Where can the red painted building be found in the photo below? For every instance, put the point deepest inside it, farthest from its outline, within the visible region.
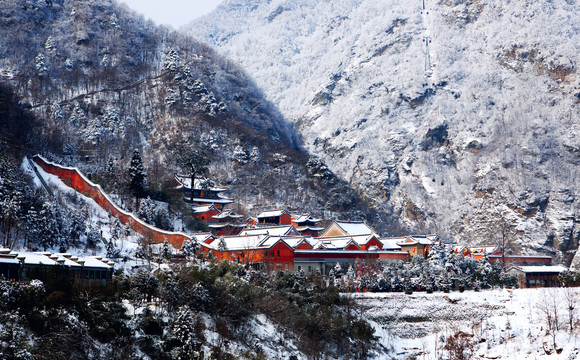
(275, 217)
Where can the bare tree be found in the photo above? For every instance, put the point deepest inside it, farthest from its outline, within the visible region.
(504, 237)
(193, 161)
(570, 298)
(548, 305)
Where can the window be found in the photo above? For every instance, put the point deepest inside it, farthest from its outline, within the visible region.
(278, 253)
(272, 253)
(309, 268)
(299, 267)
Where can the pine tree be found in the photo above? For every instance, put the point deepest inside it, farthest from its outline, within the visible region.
(222, 246)
(337, 270)
(183, 330)
(189, 248)
(113, 251)
(137, 175)
(350, 272)
(166, 250)
(171, 294)
(93, 238)
(147, 211)
(147, 285)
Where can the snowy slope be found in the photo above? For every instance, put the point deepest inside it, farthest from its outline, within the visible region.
(502, 324)
(476, 127)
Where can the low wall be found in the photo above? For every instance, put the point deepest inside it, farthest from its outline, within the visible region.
(75, 179)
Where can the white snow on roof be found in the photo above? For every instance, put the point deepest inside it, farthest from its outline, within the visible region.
(45, 258)
(271, 241)
(307, 217)
(228, 214)
(35, 258)
(219, 200)
(390, 243)
(239, 242)
(334, 243)
(202, 209)
(294, 241)
(307, 228)
(93, 261)
(272, 213)
(63, 259)
(269, 230)
(415, 239)
(541, 269)
(483, 249)
(223, 225)
(5, 260)
(185, 182)
(355, 228)
(201, 237)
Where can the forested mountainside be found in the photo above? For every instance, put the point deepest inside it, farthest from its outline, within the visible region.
(456, 117)
(102, 81)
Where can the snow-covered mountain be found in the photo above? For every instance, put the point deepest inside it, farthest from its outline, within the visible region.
(454, 116)
(104, 81)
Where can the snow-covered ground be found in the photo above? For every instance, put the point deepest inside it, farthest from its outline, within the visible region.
(505, 324)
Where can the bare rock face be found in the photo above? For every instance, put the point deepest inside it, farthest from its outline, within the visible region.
(451, 118)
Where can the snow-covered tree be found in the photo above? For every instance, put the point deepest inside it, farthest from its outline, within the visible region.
(240, 155)
(113, 251)
(166, 250)
(40, 64)
(68, 64)
(172, 61)
(147, 211)
(255, 154)
(337, 269)
(222, 245)
(171, 294)
(137, 174)
(350, 272)
(93, 238)
(189, 248)
(146, 284)
(49, 45)
(193, 161)
(77, 116)
(183, 330)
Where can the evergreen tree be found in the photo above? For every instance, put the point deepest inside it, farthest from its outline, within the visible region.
(137, 175)
(146, 284)
(113, 251)
(171, 294)
(183, 330)
(147, 211)
(189, 248)
(222, 246)
(337, 270)
(93, 238)
(166, 250)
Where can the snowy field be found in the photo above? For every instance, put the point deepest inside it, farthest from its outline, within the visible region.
(500, 324)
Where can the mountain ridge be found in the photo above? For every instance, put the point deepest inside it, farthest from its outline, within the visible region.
(103, 81)
(367, 84)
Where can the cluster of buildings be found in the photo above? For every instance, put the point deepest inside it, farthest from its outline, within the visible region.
(279, 241)
(270, 241)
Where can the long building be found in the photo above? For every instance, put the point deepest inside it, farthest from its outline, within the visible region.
(26, 266)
